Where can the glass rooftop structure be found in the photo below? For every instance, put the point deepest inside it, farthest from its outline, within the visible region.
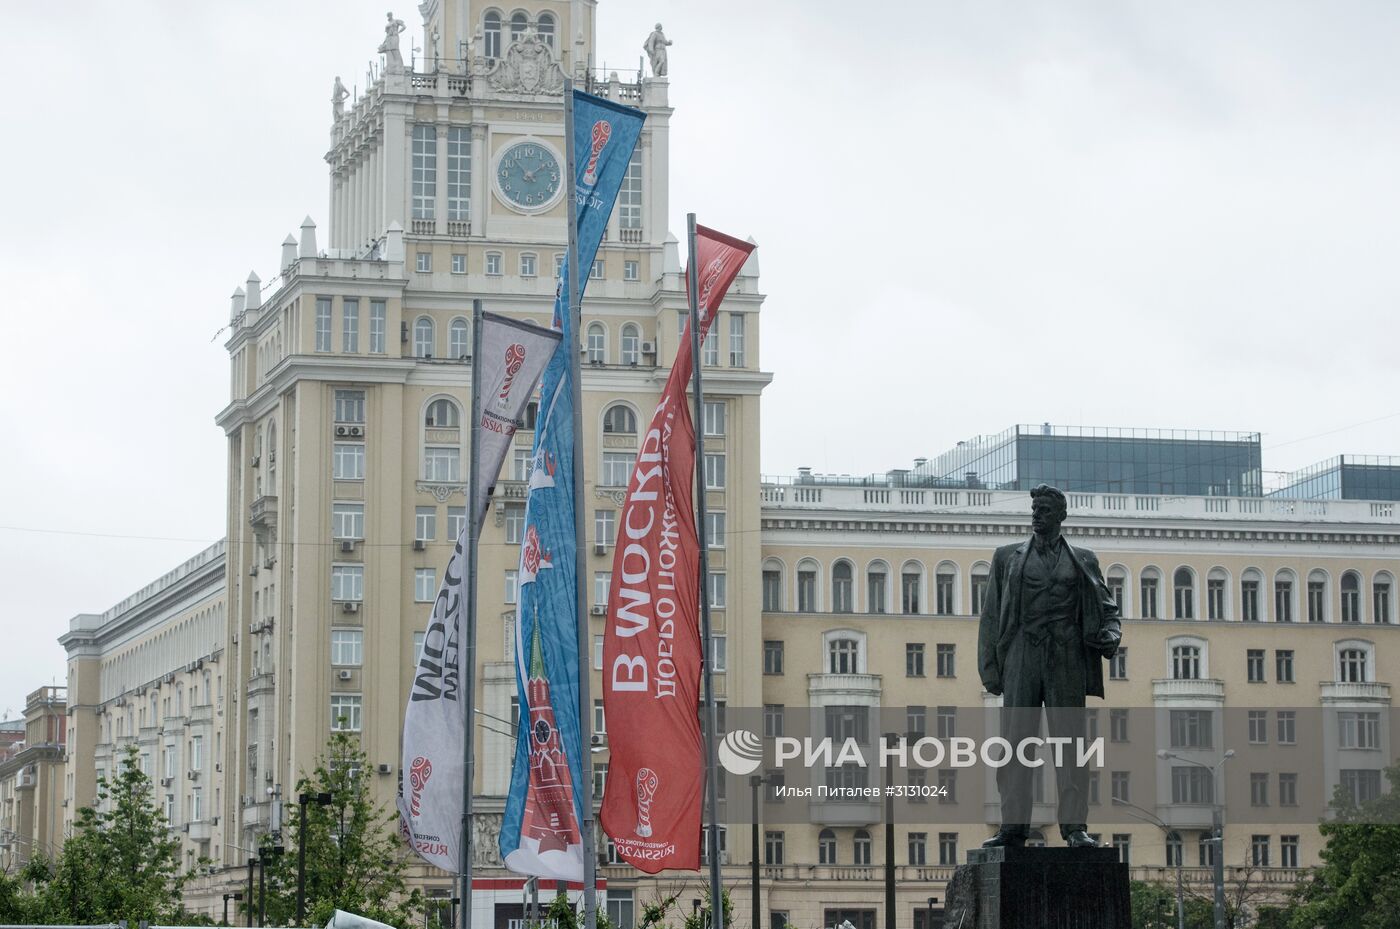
(1346, 477)
(1087, 460)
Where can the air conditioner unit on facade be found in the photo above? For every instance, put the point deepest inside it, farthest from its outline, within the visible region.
(257, 460)
(343, 674)
(598, 609)
(357, 431)
(185, 827)
(419, 545)
(600, 548)
(350, 607)
(253, 572)
(341, 431)
(648, 348)
(385, 768)
(192, 774)
(166, 781)
(347, 546)
(214, 821)
(598, 739)
(267, 563)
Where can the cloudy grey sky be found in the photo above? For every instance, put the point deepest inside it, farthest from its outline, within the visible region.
(970, 214)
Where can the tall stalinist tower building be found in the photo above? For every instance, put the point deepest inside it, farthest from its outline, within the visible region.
(347, 426)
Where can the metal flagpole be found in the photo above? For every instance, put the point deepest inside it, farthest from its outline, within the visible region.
(702, 523)
(464, 862)
(574, 307)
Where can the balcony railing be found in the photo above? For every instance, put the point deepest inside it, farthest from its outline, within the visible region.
(1206, 688)
(1354, 692)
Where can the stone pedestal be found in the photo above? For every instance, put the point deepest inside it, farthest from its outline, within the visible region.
(1039, 888)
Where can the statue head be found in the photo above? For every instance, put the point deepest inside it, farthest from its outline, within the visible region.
(658, 27)
(1048, 509)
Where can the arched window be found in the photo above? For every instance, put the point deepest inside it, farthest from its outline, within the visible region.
(843, 656)
(545, 27)
(1317, 596)
(807, 586)
(1183, 594)
(491, 33)
(981, 577)
(423, 338)
(272, 457)
(911, 582)
(459, 344)
(631, 344)
(443, 414)
(1217, 603)
(1173, 849)
(597, 343)
(945, 585)
(772, 586)
(842, 588)
(862, 847)
(1205, 846)
(1251, 606)
(1149, 587)
(1117, 581)
(1351, 597)
(620, 420)
(1283, 596)
(1187, 662)
(877, 587)
(518, 22)
(826, 847)
(1354, 662)
(1381, 607)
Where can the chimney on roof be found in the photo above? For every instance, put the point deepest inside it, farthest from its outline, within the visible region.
(308, 239)
(289, 252)
(235, 304)
(254, 292)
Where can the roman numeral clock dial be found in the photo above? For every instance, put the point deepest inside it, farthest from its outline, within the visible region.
(528, 177)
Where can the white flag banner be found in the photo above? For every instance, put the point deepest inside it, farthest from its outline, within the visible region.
(512, 355)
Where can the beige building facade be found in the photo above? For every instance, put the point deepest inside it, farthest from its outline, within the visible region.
(147, 674)
(347, 461)
(31, 782)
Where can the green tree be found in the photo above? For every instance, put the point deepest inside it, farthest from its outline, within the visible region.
(1357, 886)
(354, 858)
(122, 861)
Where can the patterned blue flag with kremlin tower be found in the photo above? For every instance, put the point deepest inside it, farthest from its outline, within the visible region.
(540, 834)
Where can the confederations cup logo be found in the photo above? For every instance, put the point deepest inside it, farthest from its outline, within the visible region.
(602, 131)
(515, 357)
(740, 752)
(418, 774)
(647, 782)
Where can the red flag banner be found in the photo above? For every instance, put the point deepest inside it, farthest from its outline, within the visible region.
(651, 647)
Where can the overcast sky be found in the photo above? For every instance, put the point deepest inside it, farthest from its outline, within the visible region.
(969, 215)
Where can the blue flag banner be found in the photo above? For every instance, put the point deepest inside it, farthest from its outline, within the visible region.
(540, 833)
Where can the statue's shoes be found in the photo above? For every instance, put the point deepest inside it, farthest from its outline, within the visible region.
(1004, 839)
(1080, 839)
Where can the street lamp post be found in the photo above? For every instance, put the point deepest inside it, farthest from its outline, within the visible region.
(252, 863)
(1166, 836)
(756, 781)
(236, 895)
(928, 919)
(890, 739)
(1217, 819)
(304, 798)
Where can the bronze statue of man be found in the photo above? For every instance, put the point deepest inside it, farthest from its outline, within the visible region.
(1048, 622)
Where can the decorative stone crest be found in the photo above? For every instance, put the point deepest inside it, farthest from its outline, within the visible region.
(528, 67)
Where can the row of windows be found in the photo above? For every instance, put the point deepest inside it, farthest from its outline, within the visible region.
(491, 28)
(527, 265)
(442, 457)
(811, 596)
(350, 325)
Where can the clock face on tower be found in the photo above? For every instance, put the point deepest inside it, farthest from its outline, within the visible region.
(527, 177)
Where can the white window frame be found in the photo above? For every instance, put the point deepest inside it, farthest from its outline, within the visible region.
(495, 263)
(424, 585)
(349, 706)
(347, 520)
(347, 583)
(347, 647)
